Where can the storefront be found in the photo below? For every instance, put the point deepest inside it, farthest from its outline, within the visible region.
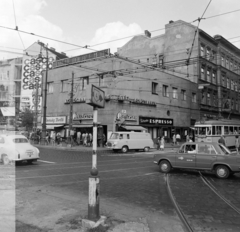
(56, 124)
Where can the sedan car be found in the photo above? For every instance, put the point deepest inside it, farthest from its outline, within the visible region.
(17, 148)
(200, 156)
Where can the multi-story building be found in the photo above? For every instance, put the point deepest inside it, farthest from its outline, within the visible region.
(164, 83)
(10, 85)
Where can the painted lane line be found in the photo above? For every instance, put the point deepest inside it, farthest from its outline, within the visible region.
(48, 162)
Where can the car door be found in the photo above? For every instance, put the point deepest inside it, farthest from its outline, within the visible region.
(186, 156)
(206, 156)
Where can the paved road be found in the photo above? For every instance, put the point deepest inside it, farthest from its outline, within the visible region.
(135, 180)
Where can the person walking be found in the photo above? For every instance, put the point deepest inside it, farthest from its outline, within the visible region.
(91, 138)
(222, 140)
(178, 138)
(162, 143)
(174, 139)
(237, 144)
(187, 138)
(78, 137)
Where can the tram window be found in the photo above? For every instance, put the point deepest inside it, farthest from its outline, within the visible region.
(202, 130)
(218, 130)
(235, 130)
(209, 130)
(226, 130)
(214, 130)
(231, 130)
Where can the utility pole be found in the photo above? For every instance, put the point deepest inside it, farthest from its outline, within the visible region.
(43, 137)
(71, 109)
(36, 107)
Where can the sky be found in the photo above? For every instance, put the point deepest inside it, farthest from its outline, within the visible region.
(77, 23)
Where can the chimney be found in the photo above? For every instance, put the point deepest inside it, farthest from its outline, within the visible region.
(147, 33)
(171, 21)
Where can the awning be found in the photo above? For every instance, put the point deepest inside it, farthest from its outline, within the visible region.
(8, 111)
(134, 128)
(82, 126)
(53, 126)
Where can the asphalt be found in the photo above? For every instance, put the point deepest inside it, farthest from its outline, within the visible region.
(124, 217)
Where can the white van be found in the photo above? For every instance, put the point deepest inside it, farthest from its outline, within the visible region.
(125, 141)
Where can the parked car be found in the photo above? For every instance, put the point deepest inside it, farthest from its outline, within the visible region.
(17, 148)
(125, 141)
(200, 156)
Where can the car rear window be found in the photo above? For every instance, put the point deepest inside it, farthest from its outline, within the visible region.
(20, 140)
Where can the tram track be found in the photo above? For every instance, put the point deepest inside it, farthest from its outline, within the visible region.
(187, 219)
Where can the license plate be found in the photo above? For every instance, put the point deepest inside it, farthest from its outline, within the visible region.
(29, 154)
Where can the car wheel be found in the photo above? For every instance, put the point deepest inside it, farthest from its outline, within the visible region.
(222, 171)
(146, 149)
(124, 149)
(165, 166)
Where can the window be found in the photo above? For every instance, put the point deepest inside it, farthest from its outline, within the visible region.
(228, 84)
(236, 105)
(161, 61)
(223, 61)
(50, 87)
(214, 77)
(175, 93)
(231, 65)
(208, 54)
(194, 97)
(203, 100)
(202, 51)
(213, 57)
(101, 80)
(209, 99)
(208, 76)
(227, 63)
(235, 86)
(165, 91)
(223, 80)
(232, 85)
(203, 73)
(183, 95)
(154, 87)
(214, 98)
(65, 86)
(84, 82)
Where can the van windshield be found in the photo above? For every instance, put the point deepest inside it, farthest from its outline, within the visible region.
(114, 136)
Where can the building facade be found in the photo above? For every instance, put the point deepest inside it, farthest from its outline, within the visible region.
(163, 84)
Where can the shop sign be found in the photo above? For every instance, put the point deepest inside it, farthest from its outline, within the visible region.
(95, 96)
(131, 100)
(83, 116)
(55, 120)
(156, 121)
(76, 100)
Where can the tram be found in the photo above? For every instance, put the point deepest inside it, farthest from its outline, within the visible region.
(211, 131)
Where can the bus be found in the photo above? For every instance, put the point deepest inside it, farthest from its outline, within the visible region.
(211, 131)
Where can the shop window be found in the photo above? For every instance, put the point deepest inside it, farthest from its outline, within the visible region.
(50, 87)
(194, 97)
(165, 91)
(175, 93)
(154, 87)
(183, 95)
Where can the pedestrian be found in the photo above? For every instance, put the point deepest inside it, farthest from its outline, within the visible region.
(103, 139)
(58, 138)
(83, 138)
(190, 140)
(187, 138)
(222, 140)
(91, 138)
(178, 138)
(78, 137)
(237, 144)
(162, 143)
(174, 139)
(53, 138)
(88, 140)
(158, 143)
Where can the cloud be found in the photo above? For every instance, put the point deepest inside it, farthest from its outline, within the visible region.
(28, 19)
(114, 31)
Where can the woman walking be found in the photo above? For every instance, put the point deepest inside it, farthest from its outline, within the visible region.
(162, 143)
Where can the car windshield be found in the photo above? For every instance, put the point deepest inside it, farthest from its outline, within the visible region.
(225, 150)
(114, 136)
(20, 140)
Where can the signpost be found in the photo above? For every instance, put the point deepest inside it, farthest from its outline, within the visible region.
(96, 98)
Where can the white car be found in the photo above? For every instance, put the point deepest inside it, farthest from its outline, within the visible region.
(17, 148)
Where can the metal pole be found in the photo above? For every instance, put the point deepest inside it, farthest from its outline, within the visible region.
(71, 110)
(45, 103)
(94, 186)
(36, 108)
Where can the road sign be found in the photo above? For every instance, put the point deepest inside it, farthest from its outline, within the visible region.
(95, 96)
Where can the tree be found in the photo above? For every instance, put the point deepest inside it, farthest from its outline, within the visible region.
(27, 117)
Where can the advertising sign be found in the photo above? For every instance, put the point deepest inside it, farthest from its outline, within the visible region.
(156, 121)
(95, 96)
